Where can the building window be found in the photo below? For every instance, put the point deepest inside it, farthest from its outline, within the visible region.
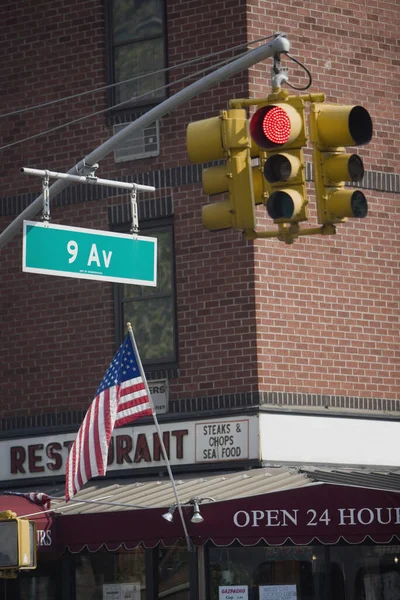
(103, 574)
(136, 48)
(151, 310)
(340, 572)
(174, 573)
(269, 572)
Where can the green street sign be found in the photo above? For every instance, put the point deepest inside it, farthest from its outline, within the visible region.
(89, 254)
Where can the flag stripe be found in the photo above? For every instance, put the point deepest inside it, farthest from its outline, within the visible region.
(87, 462)
(128, 419)
(131, 396)
(78, 480)
(128, 416)
(120, 399)
(99, 431)
(133, 406)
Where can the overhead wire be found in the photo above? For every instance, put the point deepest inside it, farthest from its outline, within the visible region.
(305, 69)
(120, 104)
(146, 94)
(132, 79)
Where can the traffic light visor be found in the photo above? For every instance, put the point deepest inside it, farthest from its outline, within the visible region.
(344, 167)
(217, 216)
(273, 126)
(339, 125)
(281, 167)
(346, 203)
(284, 204)
(204, 141)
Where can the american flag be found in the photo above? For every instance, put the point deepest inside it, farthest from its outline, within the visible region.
(39, 498)
(120, 399)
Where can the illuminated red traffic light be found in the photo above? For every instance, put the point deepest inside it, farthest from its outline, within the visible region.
(270, 127)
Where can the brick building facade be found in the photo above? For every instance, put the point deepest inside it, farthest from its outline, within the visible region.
(310, 327)
(309, 324)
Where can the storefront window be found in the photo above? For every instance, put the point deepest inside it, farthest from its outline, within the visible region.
(295, 571)
(368, 572)
(308, 572)
(173, 573)
(101, 575)
(42, 583)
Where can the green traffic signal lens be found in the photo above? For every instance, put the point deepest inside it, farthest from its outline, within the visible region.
(277, 168)
(280, 205)
(359, 205)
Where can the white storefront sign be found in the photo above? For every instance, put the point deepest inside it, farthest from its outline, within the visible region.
(159, 391)
(121, 591)
(233, 592)
(278, 592)
(312, 439)
(137, 447)
(274, 438)
(216, 441)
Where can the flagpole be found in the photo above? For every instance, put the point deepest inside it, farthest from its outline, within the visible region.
(153, 410)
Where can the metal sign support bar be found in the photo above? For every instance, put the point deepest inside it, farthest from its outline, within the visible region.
(279, 44)
(88, 179)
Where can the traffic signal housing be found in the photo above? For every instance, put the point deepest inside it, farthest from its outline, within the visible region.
(278, 131)
(332, 127)
(225, 137)
(17, 542)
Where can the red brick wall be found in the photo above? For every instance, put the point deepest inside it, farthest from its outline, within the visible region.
(53, 50)
(57, 333)
(326, 307)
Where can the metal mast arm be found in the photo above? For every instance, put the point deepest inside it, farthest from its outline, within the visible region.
(279, 44)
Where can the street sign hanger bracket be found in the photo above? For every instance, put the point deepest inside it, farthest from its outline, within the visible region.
(46, 198)
(88, 177)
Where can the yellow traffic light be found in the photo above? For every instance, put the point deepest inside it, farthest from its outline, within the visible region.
(332, 127)
(225, 137)
(17, 542)
(278, 130)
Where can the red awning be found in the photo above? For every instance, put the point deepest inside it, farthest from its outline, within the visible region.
(24, 507)
(323, 512)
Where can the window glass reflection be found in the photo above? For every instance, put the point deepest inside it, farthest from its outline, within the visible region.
(346, 572)
(369, 572)
(295, 569)
(173, 573)
(95, 570)
(42, 583)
